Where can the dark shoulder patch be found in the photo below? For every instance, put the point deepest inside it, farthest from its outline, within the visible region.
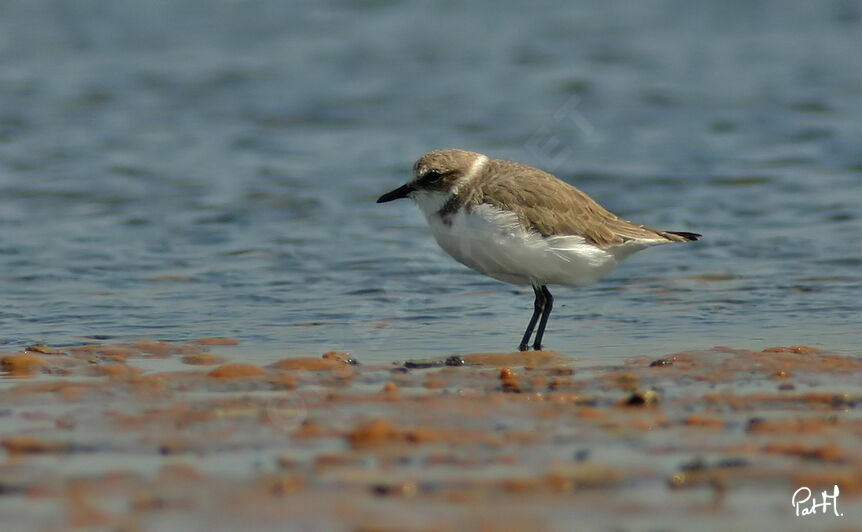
(448, 210)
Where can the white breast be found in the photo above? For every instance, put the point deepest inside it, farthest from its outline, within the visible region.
(492, 241)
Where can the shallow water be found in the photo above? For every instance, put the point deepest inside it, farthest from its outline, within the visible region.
(180, 170)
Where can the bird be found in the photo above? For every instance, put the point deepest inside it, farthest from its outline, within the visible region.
(521, 225)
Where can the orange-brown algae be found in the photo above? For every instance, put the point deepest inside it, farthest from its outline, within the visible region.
(826, 453)
(43, 349)
(114, 371)
(798, 349)
(202, 359)
(282, 381)
(390, 390)
(570, 477)
(22, 365)
(276, 485)
(81, 513)
(509, 381)
(433, 382)
(376, 432)
(340, 356)
(382, 432)
(530, 359)
(174, 446)
(15, 445)
(310, 364)
(174, 473)
(337, 460)
(235, 371)
(161, 349)
(707, 422)
(116, 352)
(795, 425)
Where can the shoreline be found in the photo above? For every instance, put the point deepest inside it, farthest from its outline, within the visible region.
(533, 439)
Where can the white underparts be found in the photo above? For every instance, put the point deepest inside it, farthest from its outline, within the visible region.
(493, 241)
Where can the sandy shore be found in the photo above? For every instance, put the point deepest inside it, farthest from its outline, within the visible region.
(93, 437)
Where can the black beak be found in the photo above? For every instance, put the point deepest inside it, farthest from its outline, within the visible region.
(401, 192)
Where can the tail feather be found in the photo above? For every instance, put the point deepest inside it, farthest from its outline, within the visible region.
(681, 236)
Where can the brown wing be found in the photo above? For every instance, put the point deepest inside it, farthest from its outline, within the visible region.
(552, 207)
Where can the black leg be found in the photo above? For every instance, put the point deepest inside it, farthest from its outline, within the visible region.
(546, 311)
(538, 309)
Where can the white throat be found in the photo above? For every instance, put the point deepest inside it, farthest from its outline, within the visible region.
(431, 201)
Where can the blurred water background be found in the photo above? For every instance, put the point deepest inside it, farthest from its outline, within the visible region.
(178, 169)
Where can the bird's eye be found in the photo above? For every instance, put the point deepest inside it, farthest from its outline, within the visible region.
(432, 175)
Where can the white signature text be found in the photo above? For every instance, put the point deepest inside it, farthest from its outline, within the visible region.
(806, 505)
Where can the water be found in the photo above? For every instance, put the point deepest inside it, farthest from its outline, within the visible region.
(183, 169)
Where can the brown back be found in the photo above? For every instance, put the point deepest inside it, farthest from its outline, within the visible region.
(553, 207)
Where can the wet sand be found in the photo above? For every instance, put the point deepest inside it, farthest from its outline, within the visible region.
(104, 437)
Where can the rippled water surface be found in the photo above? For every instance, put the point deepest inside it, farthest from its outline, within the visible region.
(184, 169)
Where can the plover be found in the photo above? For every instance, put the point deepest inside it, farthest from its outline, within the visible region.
(521, 225)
